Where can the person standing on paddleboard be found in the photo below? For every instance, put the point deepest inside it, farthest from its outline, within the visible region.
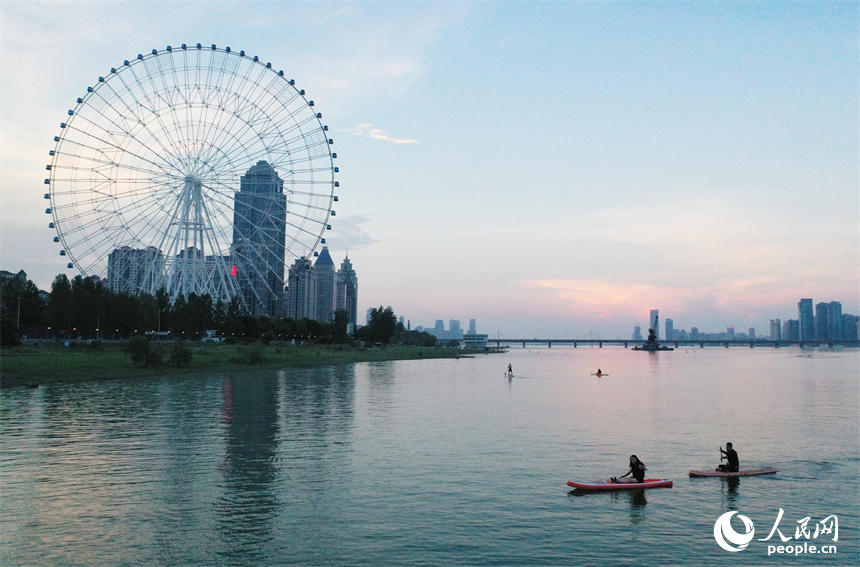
(637, 469)
(732, 457)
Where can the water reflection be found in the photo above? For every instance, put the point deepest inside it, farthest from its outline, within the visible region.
(636, 499)
(248, 501)
(730, 491)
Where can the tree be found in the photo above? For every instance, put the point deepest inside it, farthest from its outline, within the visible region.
(339, 326)
(382, 325)
(60, 306)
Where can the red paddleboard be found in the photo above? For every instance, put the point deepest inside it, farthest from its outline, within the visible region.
(712, 472)
(609, 485)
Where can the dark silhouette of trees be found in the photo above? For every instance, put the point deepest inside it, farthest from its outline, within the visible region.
(84, 308)
(382, 326)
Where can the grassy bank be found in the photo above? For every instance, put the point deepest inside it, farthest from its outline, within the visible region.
(50, 363)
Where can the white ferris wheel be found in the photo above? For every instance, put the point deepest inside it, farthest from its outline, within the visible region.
(195, 169)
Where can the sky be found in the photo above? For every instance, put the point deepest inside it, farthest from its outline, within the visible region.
(550, 169)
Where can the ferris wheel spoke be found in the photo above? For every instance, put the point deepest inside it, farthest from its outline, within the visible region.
(134, 116)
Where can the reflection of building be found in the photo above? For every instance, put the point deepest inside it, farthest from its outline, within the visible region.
(347, 291)
(259, 231)
(134, 269)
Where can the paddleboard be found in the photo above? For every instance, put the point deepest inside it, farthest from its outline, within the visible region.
(609, 485)
(601, 374)
(712, 472)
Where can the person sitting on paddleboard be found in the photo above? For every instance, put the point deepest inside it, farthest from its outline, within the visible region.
(732, 457)
(599, 373)
(637, 469)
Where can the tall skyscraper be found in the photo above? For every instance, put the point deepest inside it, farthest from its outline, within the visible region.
(807, 320)
(347, 290)
(325, 287)
(473, 327)
(655, 319)
(849, 327)
(836, 324)
(301, 291)
(637, 333)
(791, 330)
(775, 330)
(670, 329)
(259, 232)
(822, 321)
(134, 269)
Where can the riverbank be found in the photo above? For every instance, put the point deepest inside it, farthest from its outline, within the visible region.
(30, 365)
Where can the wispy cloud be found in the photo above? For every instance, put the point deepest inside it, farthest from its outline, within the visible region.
(379, 134)
(350, 234)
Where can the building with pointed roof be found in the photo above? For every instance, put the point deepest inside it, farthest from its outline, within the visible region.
(347, 291)
(325, 287)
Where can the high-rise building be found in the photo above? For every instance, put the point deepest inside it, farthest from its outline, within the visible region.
(637, 333)
(807, 320)
(751, 332)
(454, 328)
(347, 290)
(849, 327)
(730, 333)
(259, 232)
(655, 320)
(791, 330)
(473, 327)
(324, 275)
(133, 269)
(300, 296)
(670, 329)
(822, 321)
(836, 327)
(775, 330)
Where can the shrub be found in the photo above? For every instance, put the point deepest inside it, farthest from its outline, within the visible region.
(249, 354)
(180, 354)
(141, 352)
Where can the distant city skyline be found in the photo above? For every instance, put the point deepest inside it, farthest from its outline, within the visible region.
(544, 168)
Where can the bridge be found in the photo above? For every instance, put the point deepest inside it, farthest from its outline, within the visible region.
(628, 343)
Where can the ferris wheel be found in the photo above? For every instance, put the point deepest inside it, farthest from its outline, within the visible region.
(195, 169)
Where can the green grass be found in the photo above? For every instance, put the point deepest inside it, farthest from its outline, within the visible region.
(43, 364)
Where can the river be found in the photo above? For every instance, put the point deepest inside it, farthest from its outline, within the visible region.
(438, 462)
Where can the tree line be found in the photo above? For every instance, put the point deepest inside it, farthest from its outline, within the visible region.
(85, 309)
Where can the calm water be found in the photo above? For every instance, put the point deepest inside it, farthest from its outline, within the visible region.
(433, 462)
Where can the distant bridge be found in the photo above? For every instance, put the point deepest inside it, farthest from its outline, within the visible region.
(629, 343)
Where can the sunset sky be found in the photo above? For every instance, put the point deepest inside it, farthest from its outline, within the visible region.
(549, 169)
